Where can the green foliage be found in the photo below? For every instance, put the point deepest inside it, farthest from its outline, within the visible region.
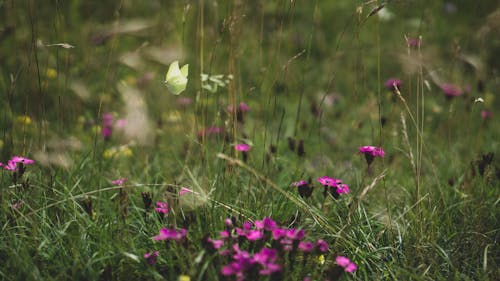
(312, 75)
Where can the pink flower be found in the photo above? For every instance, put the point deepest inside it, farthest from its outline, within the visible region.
(372, 150)
(119, 181)
(451, 90)
(242, 147)
(346, 263)
(215, 243)
(12, 163)
(254, 235)
(170, 234)
(151, 257)
(393, 82)
(486, 114)
(327, 181)
(121, 123)
(306, 246)
(342, 188)
(299, 183)
(22, 160)
(162, 207)
(322, 245)
(184, 191)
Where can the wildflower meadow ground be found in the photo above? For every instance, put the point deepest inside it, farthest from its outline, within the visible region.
(249, 140)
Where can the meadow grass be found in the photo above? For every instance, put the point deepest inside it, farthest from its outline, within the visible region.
(303, 84)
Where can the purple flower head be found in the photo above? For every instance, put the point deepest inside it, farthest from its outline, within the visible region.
(107, 126)
(486, 114)
(342, 189)
(119, 181)
(242, 147)
(12, 163)
(278, 233)
(299, 183)
(304, 188)
(322, 246)
(346, 263)
(184, 191)
(121, 123)
(254, 235)
(327, 181)
(215, 243)
(162, 207)
(22, 160)
(295, 234)
(244, 107)
(371, 152)
(266, 255)
(228, 222)
(306, 246)
(393, 82)
(451, 91)
(170, 234)
(267, 224)
(151, 257)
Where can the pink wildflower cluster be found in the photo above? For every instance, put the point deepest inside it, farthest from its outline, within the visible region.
(331, 185)
(267, 247)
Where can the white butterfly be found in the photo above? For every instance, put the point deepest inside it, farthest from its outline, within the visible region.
(176, 79)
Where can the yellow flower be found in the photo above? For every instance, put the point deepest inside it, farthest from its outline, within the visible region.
(1, 144)
(321, 259)
(51, 73)
(184, 278)
(23, 120)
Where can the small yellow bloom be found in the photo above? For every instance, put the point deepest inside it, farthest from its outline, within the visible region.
(1, 144)
(130, 80)
(184, 278)
(321, 259)
(110, 152)
(51, 73)
(23, 120)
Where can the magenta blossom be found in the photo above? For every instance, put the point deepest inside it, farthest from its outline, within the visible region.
(305, 189)
(162, 207)
(184, 191)
(306, 246)
(327, 181)
(371, 152)
(107, 126)
(119, 181)
(342, 188)
(299, 183)
(486, 114)
(267, 224)
(322, 246)
(170, 234)
(12, 163)
(451, 91)
(346, 263)
(151, 257)
(393, 82)
(243, 147)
